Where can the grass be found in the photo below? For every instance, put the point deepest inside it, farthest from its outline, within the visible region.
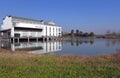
(23, 65)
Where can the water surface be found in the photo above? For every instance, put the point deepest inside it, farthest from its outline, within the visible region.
(76, 46)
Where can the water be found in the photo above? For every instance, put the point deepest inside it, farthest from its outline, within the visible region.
(70, 46)
(90, 46)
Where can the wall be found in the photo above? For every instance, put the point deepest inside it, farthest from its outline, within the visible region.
(29, 25)
(48, 30)
(7, 23)
(52, 30)
(30, 33)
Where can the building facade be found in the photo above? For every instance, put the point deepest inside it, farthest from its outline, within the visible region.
(17, 27)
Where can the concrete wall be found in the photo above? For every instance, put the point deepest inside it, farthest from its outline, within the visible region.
(29, 33)
(47, 30)
(52, 31)
(29, 25)
(7, 23)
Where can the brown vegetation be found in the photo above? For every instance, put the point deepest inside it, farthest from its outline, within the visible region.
(25, 54)
(16, 54)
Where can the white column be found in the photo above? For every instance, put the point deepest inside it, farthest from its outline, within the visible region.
(18, 40)
(12, 32)
(28, 39)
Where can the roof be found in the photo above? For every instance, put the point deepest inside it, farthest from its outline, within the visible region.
(4, 30)
(29, 19)
(25, 18)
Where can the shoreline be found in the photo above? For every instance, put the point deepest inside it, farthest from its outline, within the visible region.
(95, 37)
(5, 52)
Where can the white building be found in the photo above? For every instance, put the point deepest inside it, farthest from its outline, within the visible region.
(17, 27)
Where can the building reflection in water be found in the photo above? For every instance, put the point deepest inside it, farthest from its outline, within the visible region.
(34, 47)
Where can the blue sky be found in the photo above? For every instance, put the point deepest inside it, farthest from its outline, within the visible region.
(86, 15)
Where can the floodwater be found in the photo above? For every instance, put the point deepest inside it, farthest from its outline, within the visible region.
(76, 46)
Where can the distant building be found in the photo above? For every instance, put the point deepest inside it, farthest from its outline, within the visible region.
(17, 27)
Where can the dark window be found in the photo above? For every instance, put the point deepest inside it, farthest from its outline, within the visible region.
(17, 35)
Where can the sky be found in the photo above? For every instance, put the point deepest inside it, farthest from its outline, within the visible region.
(96, 16)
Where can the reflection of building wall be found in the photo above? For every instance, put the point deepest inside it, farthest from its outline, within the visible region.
(38, 47)
(49, 47)
(52, 46)
(28, 46)
(5, 44)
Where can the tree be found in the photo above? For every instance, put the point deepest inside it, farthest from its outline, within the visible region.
(72, 31)
(108, 32)
(80, 33)
(114, 34)
(72, 35)
(86, 34)
(77, 32)
(91, 34)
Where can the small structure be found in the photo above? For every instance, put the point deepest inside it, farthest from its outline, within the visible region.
(16, 28)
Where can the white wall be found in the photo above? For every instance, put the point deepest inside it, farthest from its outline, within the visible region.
(30, 33)
(44, 31)
(29, 25)
(7, 23)
(51, 30)
(12, 32)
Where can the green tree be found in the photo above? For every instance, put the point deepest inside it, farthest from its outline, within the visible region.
(77, 32)
(86, 34)
(91, 34)
(80, 33)
(72, 33)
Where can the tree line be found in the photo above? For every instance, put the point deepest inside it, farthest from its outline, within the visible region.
(78, 33)
(110, 34)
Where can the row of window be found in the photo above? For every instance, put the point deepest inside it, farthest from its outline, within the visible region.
(30, 34)
(57, 30)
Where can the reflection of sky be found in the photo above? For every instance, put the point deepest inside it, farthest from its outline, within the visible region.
(99, 46)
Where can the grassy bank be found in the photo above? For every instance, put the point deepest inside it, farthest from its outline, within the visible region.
(23, 65)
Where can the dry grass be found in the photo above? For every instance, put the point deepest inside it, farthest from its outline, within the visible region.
(25, 54)
(21, 64)
(17, 54)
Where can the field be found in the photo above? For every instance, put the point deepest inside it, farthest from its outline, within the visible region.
(23, 65)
